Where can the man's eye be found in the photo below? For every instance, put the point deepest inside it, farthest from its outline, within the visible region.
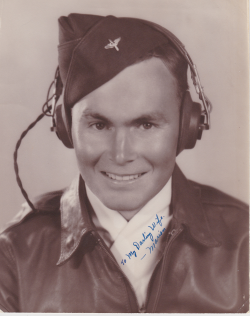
(147, 125)
(99, 126)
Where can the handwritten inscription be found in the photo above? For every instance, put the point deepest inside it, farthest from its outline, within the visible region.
(152, 247)
(157, 222)
(141, 242)
(146, 236)
(123, 261)
(132, 253)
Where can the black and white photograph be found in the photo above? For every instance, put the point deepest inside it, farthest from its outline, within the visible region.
(124, 162)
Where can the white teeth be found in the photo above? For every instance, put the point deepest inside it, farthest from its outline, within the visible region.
(123, 178)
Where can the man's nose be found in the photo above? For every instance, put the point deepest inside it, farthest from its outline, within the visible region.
(123, 149)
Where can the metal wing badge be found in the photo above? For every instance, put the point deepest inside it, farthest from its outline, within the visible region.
(113, 44)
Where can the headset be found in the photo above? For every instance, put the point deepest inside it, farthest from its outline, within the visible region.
(194, 117)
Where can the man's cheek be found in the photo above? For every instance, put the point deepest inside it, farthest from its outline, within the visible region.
(89, 153)
(163, 152)
(87, 157)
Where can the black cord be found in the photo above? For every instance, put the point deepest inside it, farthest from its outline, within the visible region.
(45, 106)
(46, 111)
(19, 182)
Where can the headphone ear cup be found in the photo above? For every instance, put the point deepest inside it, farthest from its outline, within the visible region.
(190, 118)
(61, 127)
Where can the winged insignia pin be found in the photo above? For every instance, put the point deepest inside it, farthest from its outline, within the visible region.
(113, 44)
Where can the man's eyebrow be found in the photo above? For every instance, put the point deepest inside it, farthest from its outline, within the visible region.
(150, 117)
(147, 117)
(88, 114)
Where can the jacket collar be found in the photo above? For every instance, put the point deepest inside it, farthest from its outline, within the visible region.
(186, 205)
(75, 221)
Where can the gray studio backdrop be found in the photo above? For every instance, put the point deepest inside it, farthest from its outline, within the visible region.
(214, 33)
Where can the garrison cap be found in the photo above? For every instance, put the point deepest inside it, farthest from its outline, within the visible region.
(94, 49)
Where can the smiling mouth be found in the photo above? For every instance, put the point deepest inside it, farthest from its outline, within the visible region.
(123, 178)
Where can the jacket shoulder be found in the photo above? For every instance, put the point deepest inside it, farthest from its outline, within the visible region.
(212, 196)
(44, 204)
(227, 216)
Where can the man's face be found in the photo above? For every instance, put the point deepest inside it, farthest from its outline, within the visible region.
(125, 135)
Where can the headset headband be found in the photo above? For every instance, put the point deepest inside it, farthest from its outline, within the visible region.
(194, 72)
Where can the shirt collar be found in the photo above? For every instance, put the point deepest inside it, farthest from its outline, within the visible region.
(186, 206)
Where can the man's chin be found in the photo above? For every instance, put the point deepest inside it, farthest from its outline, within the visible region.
(126, 204)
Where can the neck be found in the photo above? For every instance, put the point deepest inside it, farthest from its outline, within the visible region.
(128, 214)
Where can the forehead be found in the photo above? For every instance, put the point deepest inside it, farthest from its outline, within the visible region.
(144, 87)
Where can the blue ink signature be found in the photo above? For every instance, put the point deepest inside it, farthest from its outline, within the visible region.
(141, 242)
(138, 244)
(130, 254)
(149, 235)
(158, 222)
(152, 247)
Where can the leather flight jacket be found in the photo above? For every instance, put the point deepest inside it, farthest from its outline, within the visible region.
(55, 261)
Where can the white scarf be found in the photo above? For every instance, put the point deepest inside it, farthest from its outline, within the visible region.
(137, 243)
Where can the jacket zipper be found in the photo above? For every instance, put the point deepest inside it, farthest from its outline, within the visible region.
(115, 262)
(172, 236)
(143, 309)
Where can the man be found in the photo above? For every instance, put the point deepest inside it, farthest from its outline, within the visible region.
(131, 233)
